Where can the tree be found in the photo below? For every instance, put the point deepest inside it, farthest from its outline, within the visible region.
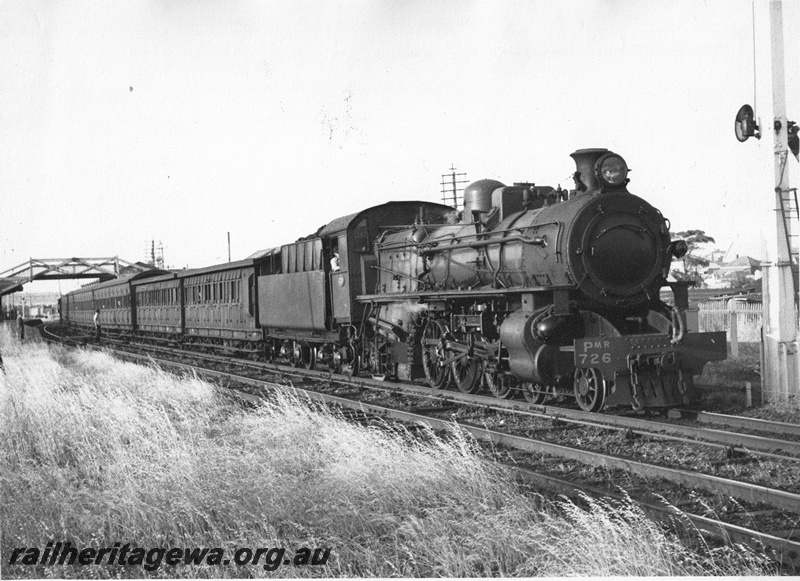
(740, 280)
(692, 261)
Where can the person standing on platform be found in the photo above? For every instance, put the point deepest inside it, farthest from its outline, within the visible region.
(20, 326)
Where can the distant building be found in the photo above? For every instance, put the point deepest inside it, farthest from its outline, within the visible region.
(742, 271)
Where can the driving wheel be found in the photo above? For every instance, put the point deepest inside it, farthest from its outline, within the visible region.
(589, 389)
(433, 354)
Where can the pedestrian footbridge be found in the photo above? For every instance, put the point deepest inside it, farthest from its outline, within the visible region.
(13, 279)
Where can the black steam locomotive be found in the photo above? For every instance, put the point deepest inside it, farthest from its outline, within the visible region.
(531, 289)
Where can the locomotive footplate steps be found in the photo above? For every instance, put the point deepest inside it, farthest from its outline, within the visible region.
(636, 366)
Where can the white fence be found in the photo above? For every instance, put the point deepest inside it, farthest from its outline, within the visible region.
(742, 321)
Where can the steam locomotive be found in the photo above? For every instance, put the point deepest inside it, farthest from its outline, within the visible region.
(530, 290)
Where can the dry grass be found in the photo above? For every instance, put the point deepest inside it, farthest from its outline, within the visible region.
(788, 411)
(94, 451)
(734, 370)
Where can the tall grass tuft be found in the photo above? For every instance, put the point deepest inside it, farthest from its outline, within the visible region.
(94, 451)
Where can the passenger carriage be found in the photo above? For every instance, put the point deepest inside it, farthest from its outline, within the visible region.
(220, 303)
(112, 298)
(159, 306)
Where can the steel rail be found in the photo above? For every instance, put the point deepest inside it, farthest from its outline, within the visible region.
(780, 549)
(735, 441)
(738, 442)
(747, 423)
(784, 551)
(745, 491)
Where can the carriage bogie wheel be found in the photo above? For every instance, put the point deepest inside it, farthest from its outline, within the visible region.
(433, 353)
(301, 356)
(337, 360)
(589, 389)
(535, 393)
(309, 357)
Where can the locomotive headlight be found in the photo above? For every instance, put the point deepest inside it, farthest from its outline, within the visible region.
(679, 248)
(611, 170)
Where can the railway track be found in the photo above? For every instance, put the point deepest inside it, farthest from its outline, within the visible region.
(740, 422)
(785, 550)
(733, 442)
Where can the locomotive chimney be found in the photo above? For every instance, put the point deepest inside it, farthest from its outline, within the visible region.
(585, 160)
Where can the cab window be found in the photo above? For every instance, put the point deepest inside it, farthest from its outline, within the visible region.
(361, 237)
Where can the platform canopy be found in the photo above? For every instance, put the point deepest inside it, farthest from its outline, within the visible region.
(13, 279)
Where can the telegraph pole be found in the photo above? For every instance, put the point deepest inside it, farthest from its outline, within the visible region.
(781, 356)
(452, 184)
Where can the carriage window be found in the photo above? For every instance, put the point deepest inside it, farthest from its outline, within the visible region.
(250, 291)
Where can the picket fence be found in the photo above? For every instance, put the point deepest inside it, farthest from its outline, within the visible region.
(742, 321)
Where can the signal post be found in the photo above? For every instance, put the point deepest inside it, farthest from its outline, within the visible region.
(780, 352)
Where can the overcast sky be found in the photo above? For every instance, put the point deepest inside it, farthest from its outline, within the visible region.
(180, 121)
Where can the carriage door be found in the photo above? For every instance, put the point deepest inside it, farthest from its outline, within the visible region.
(340, 283)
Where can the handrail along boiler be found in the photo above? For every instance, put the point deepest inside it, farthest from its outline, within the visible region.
(531, 289)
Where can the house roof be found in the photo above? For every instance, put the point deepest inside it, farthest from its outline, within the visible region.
(742, 263)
